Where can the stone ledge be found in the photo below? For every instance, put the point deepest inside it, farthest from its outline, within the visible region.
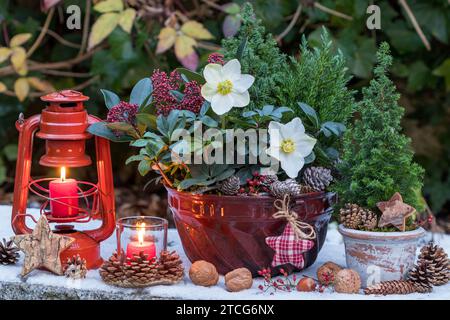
(25, 291)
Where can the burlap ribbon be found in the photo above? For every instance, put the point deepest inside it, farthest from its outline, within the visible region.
(301, 229)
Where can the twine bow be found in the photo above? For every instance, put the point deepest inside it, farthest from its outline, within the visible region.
(301, 229)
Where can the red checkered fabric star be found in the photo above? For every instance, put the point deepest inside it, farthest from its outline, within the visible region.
(288, 249)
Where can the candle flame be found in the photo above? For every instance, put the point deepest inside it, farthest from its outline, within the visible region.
(141, 232)
(63, 173)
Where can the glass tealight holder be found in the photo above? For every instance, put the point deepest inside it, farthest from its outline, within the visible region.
(137, 236)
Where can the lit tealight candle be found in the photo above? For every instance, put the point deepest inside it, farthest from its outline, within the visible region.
(64, 196)
(141, 246)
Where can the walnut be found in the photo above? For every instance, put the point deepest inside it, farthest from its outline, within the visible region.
(347, 281)
(238, 280)
(326, 274)
(203, 273)
(306, 284)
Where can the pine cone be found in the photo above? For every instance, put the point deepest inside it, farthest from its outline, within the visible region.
(369, 219)
(75, 268)
(111, 271)
(269, 179)
(421, 276)
(139, 272)
(279, 189)
(170, 266)
(355, 217)
(9, 253)
(437, 264)
(391, 287)
(318, 178)
(230, 186)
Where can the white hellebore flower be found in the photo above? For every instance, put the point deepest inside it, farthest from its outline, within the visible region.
(226, 87)
(290, 145)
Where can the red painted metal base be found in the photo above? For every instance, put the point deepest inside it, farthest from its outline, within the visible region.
(84, 246)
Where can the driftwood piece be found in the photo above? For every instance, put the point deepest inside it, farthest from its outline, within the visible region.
(42, 248)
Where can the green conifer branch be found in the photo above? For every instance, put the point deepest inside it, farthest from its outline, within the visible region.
(378, 158)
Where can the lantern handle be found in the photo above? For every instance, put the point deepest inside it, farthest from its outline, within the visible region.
(26, 128)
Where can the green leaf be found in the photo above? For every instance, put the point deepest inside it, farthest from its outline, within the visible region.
(231, 8)
(139, 143)
(111, 99)
(102, 28)
(100, 129)
(204, 109)
(153, 148)
(210, 122)
(329, 128)
(267, 110)
(310, 158)
(177, 94)
(191, 75)
(123, 127)
(278, 112)
(109, 6)
(144, 167)
(224, 175)
(10, 152)
(444, 71)
(187, 183)
(163, 126)
(310, 113)
(141, 91)
(332, 153)
(137, 157)
(419, 76)
(126, 19)
(147, 119)
(248, 114)
(241, 49)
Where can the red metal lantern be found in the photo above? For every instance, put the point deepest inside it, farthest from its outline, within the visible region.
(63, 125)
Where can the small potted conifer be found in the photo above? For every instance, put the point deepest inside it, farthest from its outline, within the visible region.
(380, 185)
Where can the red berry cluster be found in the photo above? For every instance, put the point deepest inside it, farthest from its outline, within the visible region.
(166, 102)
(255, 184)
(216, 58)
(123, 112)
(283, 283)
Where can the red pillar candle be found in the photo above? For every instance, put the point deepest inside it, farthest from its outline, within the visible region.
(146, 247)
(64, 196)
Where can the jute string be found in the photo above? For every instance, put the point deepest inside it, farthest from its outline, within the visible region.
(302, 230)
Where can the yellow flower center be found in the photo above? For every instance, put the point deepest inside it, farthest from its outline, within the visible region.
(224, 87)
(287, 145)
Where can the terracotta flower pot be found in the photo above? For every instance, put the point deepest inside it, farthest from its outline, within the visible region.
(230, 231)
(380, 256)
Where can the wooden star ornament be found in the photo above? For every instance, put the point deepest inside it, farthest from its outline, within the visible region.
(42, 248)
(395, 212)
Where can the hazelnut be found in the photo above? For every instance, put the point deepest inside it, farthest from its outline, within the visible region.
(306, 284)
(326, 274)
(203, 273)
(347, 281)
(238, 280)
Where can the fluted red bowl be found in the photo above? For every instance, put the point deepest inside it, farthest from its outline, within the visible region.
(230, 231)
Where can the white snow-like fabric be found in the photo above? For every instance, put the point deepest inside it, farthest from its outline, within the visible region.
(332, 250)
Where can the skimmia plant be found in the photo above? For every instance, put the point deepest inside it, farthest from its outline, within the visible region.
(224, 129)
